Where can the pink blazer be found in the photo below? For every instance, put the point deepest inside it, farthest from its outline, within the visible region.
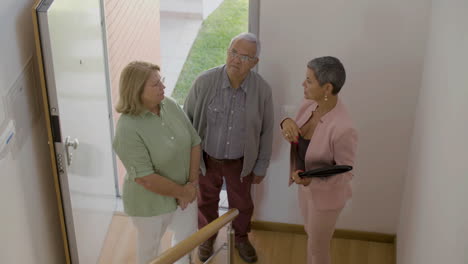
(334, 142)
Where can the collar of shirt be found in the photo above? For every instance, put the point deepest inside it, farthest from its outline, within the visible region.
(146, 111)
(226, 83)
(332, 112)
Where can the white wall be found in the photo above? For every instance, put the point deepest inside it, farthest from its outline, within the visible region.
(433, 223)
(381, 44)
(29, 230)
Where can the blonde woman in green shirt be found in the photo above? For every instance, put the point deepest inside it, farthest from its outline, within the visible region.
(161, 153)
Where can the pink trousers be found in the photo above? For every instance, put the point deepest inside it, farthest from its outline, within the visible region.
(319, 226)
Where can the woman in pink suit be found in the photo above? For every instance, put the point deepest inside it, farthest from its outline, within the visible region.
(322, 134)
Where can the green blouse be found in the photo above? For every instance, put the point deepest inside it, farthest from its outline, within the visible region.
(147, 144)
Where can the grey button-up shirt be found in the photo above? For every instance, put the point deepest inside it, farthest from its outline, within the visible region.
(225, 131)
(258, 116)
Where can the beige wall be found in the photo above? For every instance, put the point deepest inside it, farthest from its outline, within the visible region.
(381, 44)
(29, 230)
(433, 224)
(133, 33)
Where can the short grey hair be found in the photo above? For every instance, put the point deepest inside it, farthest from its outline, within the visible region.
(329, 70)
(250, 37)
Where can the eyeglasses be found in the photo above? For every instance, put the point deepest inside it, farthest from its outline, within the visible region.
(161, 81)
(243, 58)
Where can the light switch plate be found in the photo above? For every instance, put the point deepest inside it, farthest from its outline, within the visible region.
(7, 135)
(2, 111)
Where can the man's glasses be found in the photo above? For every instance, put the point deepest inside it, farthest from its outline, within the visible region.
(243, 58)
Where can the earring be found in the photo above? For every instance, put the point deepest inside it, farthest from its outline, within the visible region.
(326, 98)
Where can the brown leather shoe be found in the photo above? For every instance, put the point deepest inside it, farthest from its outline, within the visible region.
(205, 250)
(247, 251)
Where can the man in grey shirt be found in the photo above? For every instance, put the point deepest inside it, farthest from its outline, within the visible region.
(231, 107)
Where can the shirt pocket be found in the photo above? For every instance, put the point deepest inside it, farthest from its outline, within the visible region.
(215, 112)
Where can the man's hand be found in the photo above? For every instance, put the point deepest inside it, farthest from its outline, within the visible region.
(257, 178)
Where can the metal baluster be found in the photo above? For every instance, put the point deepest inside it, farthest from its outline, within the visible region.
(230, 244)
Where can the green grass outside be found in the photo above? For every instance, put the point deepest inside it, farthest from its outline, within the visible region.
(210, 46)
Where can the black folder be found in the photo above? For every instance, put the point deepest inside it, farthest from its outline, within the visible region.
(325, 171)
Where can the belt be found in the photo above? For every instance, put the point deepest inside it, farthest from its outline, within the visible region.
(223, 160)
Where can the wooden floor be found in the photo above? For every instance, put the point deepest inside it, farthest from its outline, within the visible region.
(272, 247)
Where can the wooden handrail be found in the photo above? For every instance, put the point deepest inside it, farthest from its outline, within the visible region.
(183, 248)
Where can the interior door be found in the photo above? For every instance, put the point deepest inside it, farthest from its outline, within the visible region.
(74, 58)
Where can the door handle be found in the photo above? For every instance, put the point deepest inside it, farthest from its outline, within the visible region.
(70, 143)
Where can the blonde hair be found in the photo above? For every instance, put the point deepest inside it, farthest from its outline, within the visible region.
(132, 82)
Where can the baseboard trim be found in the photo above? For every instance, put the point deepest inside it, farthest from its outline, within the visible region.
(339, 233)
(183, 15)
(118, 213)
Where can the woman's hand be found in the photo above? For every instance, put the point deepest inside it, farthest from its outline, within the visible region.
(188, 195)
(185, 194)
(290, 130)
(298, 180)
(182, 205)
(149, 182)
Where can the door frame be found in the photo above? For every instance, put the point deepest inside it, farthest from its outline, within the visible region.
(254, 21)
(109, 94)
(61, 196)
(45, 101)
(254, 17)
